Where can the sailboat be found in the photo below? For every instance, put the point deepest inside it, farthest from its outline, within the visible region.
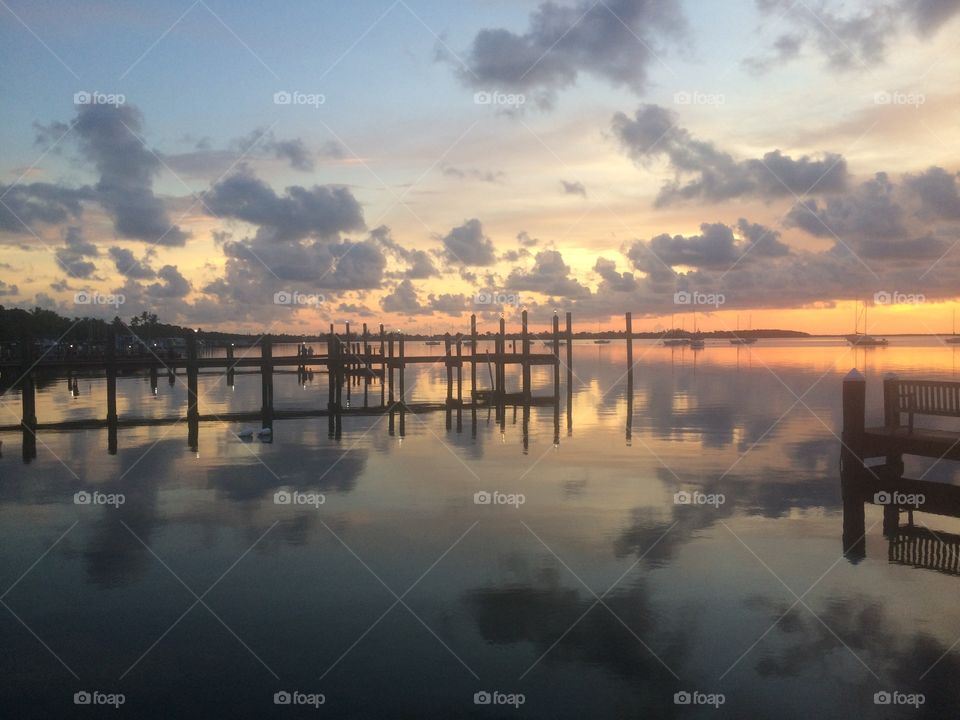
(675, 341)
(600, 341)
(859, 339)
(431, 341)
(696, 342)
(954, 339)
(742, 340)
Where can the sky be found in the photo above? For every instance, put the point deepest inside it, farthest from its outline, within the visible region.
(268, 167)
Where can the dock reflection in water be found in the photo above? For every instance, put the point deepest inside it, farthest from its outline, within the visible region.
(692, 535)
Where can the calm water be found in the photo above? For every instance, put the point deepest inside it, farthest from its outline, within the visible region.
(398, 596)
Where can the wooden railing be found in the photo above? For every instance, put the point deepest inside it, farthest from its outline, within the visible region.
(919, 397)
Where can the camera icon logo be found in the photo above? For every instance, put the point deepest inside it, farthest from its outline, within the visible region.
(882, 297)
(882, 698)
(682, 98)
(82, 698)
(882, 498)
(282, 497)
(81, 298)
(482, 498)
(482, 98)
(282, 98)
(82, 498)
(482, 698)
(284, 297)
(81, 98)
(882, 98)
(682, 698)
(682, 498)
(682, 297)
(282, 698)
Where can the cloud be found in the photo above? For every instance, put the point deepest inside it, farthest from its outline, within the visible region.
(128, 265)
(322, 211)
(173, 285)
(420, 265)
(716, 247)
(617, 281)
(22, 206)
(109, 137)
(523, 237)
(614, 41)
(550, 275)
(467, 245)
(704, 172)
(871, 221)
(938, 193)
(8, 290)
(488, 176)
(573, 188)
(72, 256)
(404, 300)
(846, 41)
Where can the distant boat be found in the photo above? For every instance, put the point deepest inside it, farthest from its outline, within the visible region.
(431, 342)
(954, 339)
(600, 341)
(696, 342)
(859, 339)
(676, 342)
(742, 340)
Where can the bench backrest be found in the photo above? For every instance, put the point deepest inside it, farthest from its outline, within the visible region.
(920, 397)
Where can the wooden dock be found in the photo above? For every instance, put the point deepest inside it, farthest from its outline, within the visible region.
(883, 484)
(355, 363)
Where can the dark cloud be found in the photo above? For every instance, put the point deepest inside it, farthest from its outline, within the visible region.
(420, 265)
(72, 256)
(109, 137)
(319, 211)
(404, 300)
(8, 290)
(616, 281)
(938, 193)
(173, 285)
(573, 188)
(550, 275)
(128, 265)
(715, 247)
(467, 245)
(523, 237)
(871, 221)
(615, 41)
(21, 206)
(704, 172)
(489, 176)
(856, 40)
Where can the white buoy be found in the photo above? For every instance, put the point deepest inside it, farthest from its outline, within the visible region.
(265, 434)
(245, 434)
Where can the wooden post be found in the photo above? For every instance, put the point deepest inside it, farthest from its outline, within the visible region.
(390, 370)
(854, 420)
(28, 399)
(502, 356)
(448, 361)
(192, 372)
(111, 377)
(403, 398)
(266, 381)
(525, 339)
(556, 378)
(891, 416)
(383, 366)
(473, 357)
(629, 329)
(153, 379)
(569, 333)
(459, 371)
(345, 364)
(230, 364)
(331, 382)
